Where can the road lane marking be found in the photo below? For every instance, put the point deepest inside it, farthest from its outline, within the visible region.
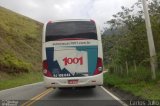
(29, 104)
(35, 98)
(115, 97)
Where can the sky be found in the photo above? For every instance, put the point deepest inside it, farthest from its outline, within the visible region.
(46, 10)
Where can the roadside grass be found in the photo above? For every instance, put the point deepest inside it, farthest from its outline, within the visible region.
(137, 85)
(14, 80)
(20, 39)
(20, 49)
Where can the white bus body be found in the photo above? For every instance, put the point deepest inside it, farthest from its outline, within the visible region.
(72, 54)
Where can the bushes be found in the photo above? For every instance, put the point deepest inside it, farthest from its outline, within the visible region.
(141, 74)
(138, 83)
(9, 63)
(134, 76)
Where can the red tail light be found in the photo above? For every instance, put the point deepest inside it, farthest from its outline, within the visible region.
(46, 72)
(99, 67)
(99, 63)
(45, 64)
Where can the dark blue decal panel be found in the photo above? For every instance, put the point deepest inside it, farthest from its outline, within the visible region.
(54, 66)
(92, 52)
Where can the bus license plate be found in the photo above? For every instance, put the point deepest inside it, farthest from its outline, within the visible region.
(72, 81)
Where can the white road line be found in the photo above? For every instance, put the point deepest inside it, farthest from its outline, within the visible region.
(20, 87)
(115, 97)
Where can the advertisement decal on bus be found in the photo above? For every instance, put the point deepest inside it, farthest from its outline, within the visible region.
(74, 62)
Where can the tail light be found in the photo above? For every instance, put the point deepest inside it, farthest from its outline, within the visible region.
(46, 72)
(99, 67)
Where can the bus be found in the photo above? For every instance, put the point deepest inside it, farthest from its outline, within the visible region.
(72, 54)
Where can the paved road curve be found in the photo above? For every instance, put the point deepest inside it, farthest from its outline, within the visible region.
(37, 95)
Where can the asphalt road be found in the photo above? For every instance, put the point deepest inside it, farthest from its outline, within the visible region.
(38, 95)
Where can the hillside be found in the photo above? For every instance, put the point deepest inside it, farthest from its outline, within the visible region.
(20, 43)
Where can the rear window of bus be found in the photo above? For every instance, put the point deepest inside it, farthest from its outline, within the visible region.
(71, 29)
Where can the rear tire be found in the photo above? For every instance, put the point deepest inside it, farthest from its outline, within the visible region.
(91, 87)
(63, 88)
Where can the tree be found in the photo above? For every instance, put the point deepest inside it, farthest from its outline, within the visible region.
(127, 40)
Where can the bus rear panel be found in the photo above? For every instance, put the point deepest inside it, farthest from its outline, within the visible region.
(72, 54)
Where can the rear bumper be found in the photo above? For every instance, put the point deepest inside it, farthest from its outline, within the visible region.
(82, 81)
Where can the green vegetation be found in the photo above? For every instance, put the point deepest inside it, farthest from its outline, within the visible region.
(20, 39)
(20, 50)
(139, 85)
(127, 41)
(126, 51)
(14, 80)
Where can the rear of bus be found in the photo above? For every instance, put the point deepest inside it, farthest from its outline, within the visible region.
(72, 54)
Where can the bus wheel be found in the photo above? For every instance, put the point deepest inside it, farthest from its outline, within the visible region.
(91, 87)
(63, 88)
